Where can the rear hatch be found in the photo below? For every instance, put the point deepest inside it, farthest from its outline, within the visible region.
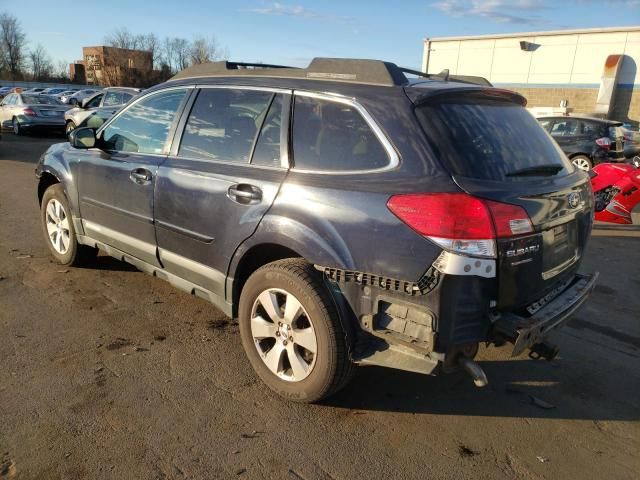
(495, 150)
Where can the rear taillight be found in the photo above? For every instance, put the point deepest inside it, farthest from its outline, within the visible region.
(604, 142)
(461, 222)
(28, 112)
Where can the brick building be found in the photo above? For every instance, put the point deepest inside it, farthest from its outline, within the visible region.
(111, 66)
(567, 71)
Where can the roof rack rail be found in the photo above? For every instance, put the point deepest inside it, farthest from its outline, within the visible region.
(372, 72)
(240, 65)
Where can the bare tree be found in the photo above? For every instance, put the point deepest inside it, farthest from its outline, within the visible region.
(182, 53)
(123, 38)
(151, 43)
(61, 71)
(41, 67)
(205, 50)
(12, 44)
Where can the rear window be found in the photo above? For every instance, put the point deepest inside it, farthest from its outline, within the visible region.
(39, 100)
(489, 138)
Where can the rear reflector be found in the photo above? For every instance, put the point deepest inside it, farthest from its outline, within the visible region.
(459, 221)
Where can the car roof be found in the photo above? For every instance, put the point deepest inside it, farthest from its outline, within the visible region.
(336, 70)
(121, 89)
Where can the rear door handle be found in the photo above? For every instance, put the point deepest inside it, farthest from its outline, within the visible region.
(244, 193)
(141, 176)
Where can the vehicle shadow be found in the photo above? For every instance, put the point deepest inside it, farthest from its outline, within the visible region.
(517, 388)
(104, 262)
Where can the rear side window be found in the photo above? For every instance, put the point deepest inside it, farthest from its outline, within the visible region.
(333, 136)
(267, 151)
(488, 138)
(223, 124)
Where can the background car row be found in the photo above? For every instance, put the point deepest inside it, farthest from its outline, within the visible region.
(27, 110)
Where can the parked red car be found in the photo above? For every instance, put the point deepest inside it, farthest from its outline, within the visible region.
(616, 188)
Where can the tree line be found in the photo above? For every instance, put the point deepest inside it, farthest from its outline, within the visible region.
(17, 62)
(169, 55)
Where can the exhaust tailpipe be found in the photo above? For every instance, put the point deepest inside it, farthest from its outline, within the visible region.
(475, 371)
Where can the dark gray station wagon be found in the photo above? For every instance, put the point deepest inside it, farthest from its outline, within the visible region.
(351, 212)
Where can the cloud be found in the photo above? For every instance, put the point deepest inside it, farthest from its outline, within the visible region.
(282, 10)
(500, 11)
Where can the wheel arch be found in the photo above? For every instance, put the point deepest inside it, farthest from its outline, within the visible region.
(46, 180)
(252, 259)
(580, 154)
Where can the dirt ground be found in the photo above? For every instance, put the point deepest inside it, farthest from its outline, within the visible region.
(107, 373)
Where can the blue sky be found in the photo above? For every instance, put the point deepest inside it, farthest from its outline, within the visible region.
(293, 32)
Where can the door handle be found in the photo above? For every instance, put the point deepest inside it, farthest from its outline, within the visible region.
(244, 193)
(141, 176)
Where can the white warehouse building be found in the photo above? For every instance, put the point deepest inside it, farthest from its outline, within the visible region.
(592, 71)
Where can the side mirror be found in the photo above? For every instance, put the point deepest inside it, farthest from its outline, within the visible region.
(83, 138)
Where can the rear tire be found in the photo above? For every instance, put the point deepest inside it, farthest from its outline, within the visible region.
(582, 162)
(57, 226)
(17, 128)
(306, 357)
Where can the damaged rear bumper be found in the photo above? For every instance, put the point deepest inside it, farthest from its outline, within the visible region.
(525, 332)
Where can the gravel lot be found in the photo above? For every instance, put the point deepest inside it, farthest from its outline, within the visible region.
(109, 373)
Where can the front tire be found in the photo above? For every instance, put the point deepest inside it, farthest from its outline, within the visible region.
(57, 225)
(69, 127)
(291, 332)
(582, 162)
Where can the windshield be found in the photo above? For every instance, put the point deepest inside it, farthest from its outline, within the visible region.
(489, 138)
(39, 100)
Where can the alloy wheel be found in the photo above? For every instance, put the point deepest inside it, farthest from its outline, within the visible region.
(582, 164)
(16, 126)
(57, 226)
(283, 334)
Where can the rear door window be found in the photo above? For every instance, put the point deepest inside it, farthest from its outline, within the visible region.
(333, 136)
(488, 138)
(223, 124)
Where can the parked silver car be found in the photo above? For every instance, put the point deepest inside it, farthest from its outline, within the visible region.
(24, 111)
(99, 107)
(78, 96)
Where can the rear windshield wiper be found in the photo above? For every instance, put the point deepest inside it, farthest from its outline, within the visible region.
(550, 169)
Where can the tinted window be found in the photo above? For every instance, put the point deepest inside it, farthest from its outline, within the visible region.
(223, 124)
(267, 151)
(487, 138)
(112, 98)
(94, 102)
(333, 136)
(126, 97)
(565, 127)
(144, 126)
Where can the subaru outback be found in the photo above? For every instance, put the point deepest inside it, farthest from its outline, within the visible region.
(351, 212)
